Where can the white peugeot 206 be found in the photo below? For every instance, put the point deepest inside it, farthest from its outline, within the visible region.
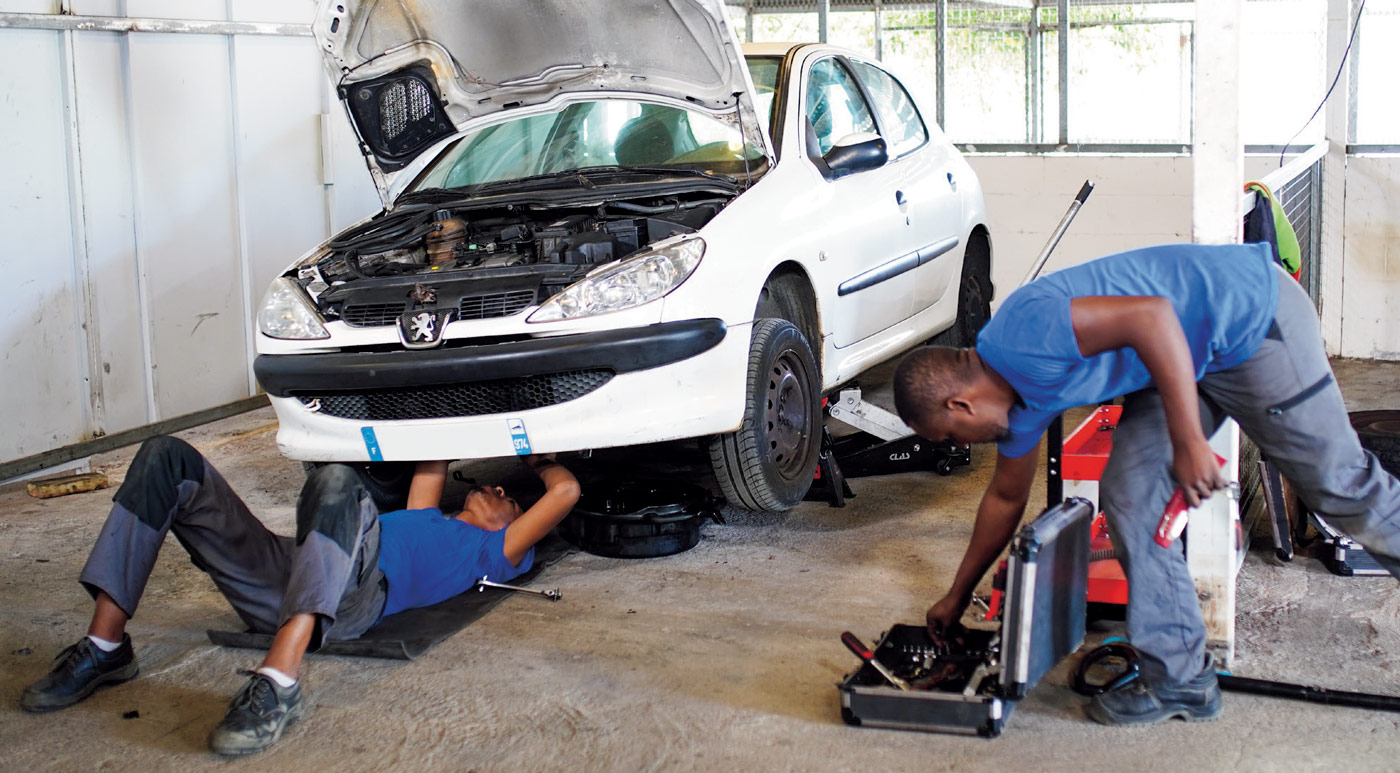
(607, 224)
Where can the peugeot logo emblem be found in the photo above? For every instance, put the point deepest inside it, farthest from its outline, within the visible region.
(422, 327)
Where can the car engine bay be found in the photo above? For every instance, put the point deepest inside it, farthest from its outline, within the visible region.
(486, 261)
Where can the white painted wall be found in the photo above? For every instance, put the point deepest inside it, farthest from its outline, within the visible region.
(1137, 201)
(1371, 258)
(155, 184)
(1144, 200)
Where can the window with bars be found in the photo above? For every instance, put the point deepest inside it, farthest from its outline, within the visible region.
(1129, 65)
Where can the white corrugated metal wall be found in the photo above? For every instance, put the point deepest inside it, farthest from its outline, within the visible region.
(154, 184)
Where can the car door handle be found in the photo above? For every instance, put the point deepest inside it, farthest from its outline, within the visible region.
(952, 181)
(900, 199)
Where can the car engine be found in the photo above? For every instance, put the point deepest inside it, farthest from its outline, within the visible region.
(485, 261)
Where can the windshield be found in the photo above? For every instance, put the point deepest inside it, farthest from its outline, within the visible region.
(607, 133)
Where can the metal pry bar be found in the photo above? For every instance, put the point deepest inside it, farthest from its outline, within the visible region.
(1059, 231)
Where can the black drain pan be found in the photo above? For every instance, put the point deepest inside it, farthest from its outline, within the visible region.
(639, 519)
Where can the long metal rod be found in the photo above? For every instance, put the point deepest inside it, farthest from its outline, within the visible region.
(823, 17)
(116, 440)
(1302, 692)
(53, 21)
(941, 62)
(1060, 229)
(1175, 149)
(879, 33)
(1063, 48)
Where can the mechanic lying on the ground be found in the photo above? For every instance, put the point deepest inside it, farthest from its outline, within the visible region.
(346, 568)
(1191, 334)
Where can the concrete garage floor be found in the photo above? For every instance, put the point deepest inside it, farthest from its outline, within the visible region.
(724, 657)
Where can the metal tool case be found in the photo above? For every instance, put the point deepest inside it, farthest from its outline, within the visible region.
(980, 682)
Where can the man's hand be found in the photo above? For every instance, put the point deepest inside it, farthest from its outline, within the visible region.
(1197, 470)
(944, 619)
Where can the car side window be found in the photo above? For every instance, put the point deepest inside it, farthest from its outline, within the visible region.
(835, 107)
(904, 127)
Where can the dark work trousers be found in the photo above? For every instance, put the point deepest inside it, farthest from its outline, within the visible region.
(1287, 401)
(330, 568)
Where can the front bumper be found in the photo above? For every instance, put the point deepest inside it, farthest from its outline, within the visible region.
(619, 351)
(668, 381)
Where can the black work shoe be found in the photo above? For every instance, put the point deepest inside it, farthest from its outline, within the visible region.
(257, 716)
(77, 672)
(1140, 703)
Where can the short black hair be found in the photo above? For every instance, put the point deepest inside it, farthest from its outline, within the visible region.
(926, 378)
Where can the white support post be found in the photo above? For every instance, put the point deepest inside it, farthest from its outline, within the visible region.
(1217, 157)
(1334, 172)
(1217, 218)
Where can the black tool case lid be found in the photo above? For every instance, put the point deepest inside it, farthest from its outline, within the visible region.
(1047, 586)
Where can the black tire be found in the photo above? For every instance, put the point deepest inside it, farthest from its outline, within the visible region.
(974, 295)
(387, 482)
(767, 465)
(1379, 432)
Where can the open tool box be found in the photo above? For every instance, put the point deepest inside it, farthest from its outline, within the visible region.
(971, 687)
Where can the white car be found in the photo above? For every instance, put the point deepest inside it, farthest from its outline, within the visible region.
(606, 225)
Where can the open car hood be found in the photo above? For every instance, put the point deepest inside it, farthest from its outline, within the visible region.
(412, 72)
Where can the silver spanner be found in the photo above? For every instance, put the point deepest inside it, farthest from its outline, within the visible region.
(552, 594)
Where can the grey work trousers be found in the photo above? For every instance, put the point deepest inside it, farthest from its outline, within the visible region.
(330, 568)
(1287, 401)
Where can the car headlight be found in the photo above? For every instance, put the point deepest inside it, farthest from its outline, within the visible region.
(287, 313)
(640, 279)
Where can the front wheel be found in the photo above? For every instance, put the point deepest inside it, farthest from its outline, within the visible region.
(767, 465)
(974, 298)
(386, 482)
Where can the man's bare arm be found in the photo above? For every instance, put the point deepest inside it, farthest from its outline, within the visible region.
(997, 518)
(560, 495)
(425, 490)
(1149, 326)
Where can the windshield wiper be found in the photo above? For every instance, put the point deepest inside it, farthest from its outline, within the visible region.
(662, 171)
(586, 178)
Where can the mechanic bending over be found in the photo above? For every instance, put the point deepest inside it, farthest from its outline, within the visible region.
(346, 568)
(1191, 334)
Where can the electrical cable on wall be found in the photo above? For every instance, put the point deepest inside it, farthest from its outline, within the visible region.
(1355, 25)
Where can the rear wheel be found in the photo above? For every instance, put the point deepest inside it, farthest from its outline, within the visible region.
(767, 464)
(1379, 432)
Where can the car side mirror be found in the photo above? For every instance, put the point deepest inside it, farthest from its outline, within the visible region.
(857, 152)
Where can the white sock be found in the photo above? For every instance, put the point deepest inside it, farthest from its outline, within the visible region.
(103, 644)
(280, 678)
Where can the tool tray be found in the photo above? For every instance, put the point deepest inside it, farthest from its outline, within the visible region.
(1043, 622)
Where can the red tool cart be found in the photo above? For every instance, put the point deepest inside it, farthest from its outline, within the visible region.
(1085, 454)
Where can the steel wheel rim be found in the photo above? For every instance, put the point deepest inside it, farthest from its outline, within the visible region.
(973, 315)
(787, 415)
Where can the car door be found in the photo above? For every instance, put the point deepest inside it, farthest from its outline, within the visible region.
(925, 169)
(857, 219)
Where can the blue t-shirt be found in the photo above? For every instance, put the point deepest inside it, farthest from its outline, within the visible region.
(428, 557)
(1224, 295)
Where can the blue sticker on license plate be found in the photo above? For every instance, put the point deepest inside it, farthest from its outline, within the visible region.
(372, 444)
(518, 436)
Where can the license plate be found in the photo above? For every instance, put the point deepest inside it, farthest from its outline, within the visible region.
(519, 438)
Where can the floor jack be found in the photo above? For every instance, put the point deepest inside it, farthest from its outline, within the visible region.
(883, 445)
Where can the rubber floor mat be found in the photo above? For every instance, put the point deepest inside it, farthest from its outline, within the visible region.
(412, 632)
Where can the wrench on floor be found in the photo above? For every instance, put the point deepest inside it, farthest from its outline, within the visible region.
(484, 583)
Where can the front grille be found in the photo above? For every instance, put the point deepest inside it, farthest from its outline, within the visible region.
(472, 307)
(494, 305)
(372, 314)
(505, 395)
